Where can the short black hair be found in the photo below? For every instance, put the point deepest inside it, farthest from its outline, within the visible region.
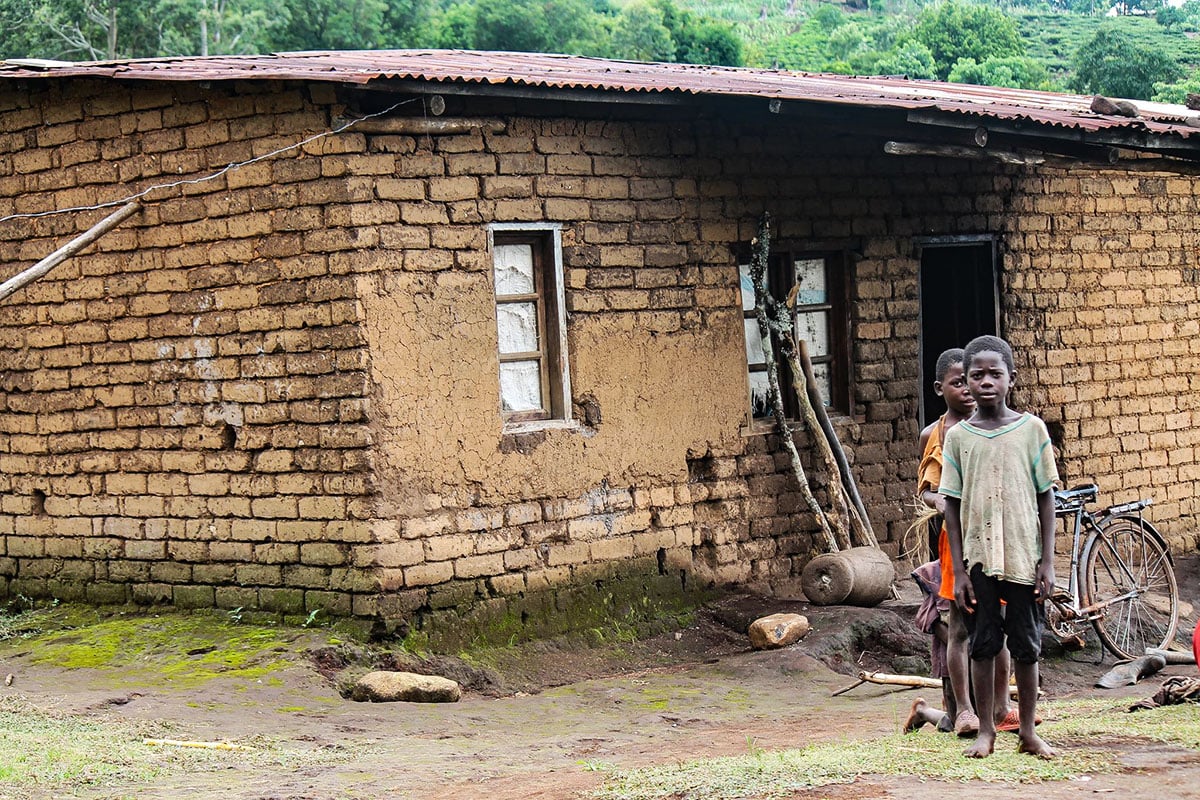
(945, 361)
(992, 344)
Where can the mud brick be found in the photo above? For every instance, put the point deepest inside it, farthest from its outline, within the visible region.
(449, 546)
(479, 566)
(567, 554)
(428, 574)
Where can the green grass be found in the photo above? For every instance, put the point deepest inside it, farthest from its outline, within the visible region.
(1075, 727)
(48, 750)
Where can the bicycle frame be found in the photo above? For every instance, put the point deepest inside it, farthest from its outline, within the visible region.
(1071, 504)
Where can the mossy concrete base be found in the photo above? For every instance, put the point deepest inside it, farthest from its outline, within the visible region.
(637, 597)
(639, 603)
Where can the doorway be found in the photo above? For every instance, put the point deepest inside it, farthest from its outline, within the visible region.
(960, 299)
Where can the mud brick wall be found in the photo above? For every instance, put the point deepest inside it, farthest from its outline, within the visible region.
(1103, 293)
(276, 389)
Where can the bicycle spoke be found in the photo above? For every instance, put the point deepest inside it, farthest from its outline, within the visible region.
(1127, 572)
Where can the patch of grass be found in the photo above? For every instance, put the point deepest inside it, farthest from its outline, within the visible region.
(762, 774)
(184, 649)
(1100, 719)
(49, 750)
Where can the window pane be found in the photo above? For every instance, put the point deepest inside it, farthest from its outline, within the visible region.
(520, 386)
(516, 325)
(821, 373)
(760, 403)
(810, 277)
(514, 268)
(813, 327)
(747, 288)
(754, 351)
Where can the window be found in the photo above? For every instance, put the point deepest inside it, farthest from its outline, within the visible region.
(530, 323)
(820, 315)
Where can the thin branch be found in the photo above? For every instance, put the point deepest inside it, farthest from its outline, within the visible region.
(767, 323)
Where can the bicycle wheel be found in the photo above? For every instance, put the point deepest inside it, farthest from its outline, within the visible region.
(1126, 565)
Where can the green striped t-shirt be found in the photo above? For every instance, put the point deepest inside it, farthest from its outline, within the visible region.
(997, 476)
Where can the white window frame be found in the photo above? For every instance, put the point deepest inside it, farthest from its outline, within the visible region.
(558, 403)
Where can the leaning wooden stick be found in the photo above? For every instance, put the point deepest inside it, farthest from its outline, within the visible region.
(764, 306)
(802, 383)
(859, 510)
(21, 279)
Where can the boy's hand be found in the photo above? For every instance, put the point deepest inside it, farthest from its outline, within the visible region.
(964, 593)
(1044, 587)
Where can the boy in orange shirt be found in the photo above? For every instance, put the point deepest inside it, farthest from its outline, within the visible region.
(950, 384)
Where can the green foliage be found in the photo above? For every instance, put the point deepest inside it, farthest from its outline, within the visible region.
(1013, 72)
(957, 30)
(912, 59)
(1113, 64)
(333, 25)
(1177, 92)
(519, 25)
(640, 34)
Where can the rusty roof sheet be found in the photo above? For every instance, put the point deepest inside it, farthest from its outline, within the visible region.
(580, 72)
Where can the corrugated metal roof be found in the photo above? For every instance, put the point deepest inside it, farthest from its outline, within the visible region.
(579, 72)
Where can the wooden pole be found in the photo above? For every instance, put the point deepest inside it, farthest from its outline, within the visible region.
(839, 454)
(22, 279)
(804, 389)
(766, 326)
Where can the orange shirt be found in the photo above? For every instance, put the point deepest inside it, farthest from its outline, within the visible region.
(929, 477)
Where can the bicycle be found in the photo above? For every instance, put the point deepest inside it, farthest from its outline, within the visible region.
(1122, 578)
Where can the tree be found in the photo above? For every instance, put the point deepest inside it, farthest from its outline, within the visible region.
(641, 35)
(1015, 73)
(1110, 63)
(454, 29)
(210, 27)
(408, 23)
(846, 41)
(333, 25)
(957, 30)
(912, 59)
(1177, 92)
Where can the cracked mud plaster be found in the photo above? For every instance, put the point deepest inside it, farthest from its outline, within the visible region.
(436, 402)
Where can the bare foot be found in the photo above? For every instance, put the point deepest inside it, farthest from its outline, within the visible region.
(982, 748)
(1036, 746)
(916, 717)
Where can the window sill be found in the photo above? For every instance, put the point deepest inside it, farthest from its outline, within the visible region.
(516, 428)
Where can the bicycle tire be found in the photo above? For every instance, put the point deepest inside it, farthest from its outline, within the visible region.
(1149, 616)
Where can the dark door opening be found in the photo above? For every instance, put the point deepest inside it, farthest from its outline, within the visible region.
(959, 301)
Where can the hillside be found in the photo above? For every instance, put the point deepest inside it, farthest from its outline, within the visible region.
(1051, 37)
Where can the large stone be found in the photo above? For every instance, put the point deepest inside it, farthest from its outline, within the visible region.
(778, 630)
(391, 687)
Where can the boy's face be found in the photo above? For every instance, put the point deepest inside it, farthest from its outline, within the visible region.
(953, 388)
(988, 379)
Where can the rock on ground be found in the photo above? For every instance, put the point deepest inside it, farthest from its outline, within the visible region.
(778, 630)
(390, 687)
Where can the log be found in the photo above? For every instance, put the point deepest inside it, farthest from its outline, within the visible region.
(900, 680)
(21, 279)
(839, 454)
(860, 576)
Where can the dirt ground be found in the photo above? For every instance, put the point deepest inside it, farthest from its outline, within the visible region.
(556, 721)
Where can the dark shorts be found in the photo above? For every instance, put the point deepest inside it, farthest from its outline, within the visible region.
(1020, 619)
(935, 532)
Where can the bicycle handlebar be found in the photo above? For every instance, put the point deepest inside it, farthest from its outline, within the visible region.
(1071, 500)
